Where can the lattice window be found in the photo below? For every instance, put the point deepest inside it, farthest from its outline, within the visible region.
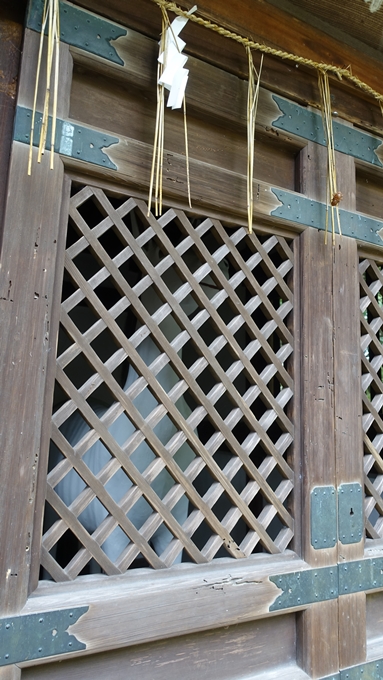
(170, 424)
(371, 305)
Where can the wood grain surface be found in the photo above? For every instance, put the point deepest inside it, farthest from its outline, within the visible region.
(198, 597)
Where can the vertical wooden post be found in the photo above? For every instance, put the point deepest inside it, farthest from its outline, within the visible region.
(318, 625)
(348, 410)
(331, 633)
(27, 274)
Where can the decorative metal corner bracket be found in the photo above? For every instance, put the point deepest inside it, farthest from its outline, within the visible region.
(336, 514)
(37, 636)
(307, 124)
(300, 588)
(72, 140)
(309, 213)
(82, 29)
(372, 670)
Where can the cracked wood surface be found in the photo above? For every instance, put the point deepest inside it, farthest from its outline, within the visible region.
(197, 598)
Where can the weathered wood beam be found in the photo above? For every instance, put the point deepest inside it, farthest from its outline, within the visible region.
(198, 597)
(348, 413)
(131, 57)
(228, 653)
(213, 187)
(261, 21)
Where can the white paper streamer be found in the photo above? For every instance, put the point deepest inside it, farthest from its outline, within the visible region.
(174, 76)
(375, 5)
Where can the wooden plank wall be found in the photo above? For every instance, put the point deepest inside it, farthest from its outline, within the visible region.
(122, 100)
(216, 137)
(228, 653)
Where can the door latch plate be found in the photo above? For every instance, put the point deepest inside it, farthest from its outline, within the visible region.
(350, 513)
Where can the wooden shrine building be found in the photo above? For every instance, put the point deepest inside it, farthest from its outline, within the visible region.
(191, 420)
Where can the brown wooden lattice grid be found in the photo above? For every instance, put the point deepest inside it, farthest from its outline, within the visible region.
(228, 399)
(371, 305)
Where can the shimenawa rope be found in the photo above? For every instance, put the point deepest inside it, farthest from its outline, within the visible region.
(246, 42)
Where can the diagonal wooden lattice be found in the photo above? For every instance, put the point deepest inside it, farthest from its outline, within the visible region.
(371, 305)
(214, 303)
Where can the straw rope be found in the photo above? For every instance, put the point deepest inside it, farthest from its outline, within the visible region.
(246, 42)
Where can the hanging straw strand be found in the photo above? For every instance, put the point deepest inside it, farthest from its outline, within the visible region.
(50, 21)
(252, 104)
(43, 25)
(187, 153)
(156, 175)
(44, 123)
(56, 23)
(333, 195)
(157, 160)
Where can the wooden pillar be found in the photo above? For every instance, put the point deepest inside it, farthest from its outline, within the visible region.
(348, 410)
(332, 634)
(318, 625)
(27, 276)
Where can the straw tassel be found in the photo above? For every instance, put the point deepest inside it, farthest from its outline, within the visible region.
(252, 104)
(171, 75)
(333, 195)
(158, 145)
(375, 4)
(51, 25)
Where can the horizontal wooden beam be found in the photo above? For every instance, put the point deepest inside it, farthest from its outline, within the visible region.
(131, 56)
(307, 124)
(73, 140)
(260, 21)
(213, 188)
(309, 213)
(197, 597)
